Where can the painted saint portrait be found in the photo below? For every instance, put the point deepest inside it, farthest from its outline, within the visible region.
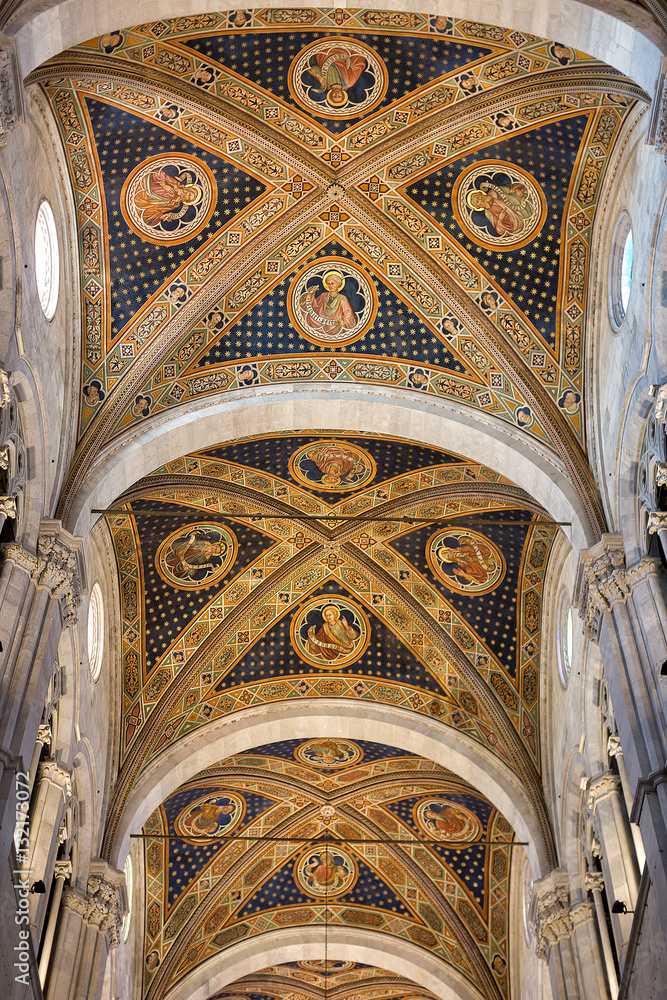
(498, 204)
(326, 966)
(442, 819)
(569, 401)
(212, 816)
(330, 632)
(196, 556)
(326, 872)
(93, 393)
(338, 78)
(332, 465)
(168, 199)
(332, 302)
(465, 561)
(328, 753)
(524, 416)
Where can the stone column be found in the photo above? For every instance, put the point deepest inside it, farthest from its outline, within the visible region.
(617, 851)
(594, 883)
(566, 939)
(88, 929)
(52, 794)
(62, 871)
(39, 595)
(623, 609)
(614, 750)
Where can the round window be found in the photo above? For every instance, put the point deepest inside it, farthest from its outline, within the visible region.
(127, 868)
(620, 278)
(47, 265)
(566, 629)
(95, 631)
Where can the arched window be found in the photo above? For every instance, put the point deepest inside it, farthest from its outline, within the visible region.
(127, 868)
(620, 277)
(47, 263)
(95, 631)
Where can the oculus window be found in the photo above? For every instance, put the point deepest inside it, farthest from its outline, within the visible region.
(47, 265)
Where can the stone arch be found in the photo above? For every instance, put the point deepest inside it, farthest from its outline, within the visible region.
(335, 718)
(626, 39)
(358, 945)
(481, 438)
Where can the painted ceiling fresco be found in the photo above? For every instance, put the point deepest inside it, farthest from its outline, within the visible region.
(299, 195)
(302, 196)
(241, 587)
(362, 835)
(319, 979)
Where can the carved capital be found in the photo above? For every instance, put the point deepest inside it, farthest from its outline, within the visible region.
(75, 901)
(57, 552)
(601, 788)
(49, 770)
(9, 111)
(14, 552)
(5, 394)
(593, 881)
(107, 901)
(550, 911)
(656, 520)
(603, 580)
(8, 506)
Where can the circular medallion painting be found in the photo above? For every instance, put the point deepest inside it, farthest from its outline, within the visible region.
(210, 816)
(441, 819)
(332, 465)
(332, 302)
(330, 632)
(498, 205)
(168, 199)
(196, 555)
(465, 561)
(337, 78)
(328, 753)
(326, 871)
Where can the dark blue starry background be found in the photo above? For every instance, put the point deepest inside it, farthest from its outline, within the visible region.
(287, 748)
(528, 275)
(386, 658)
(187, 860)
(397, 331)
(167, 609)
(138, 268)
(282, 890)
(491, 615)
(264, 58)
(470, 863)
(272, 455)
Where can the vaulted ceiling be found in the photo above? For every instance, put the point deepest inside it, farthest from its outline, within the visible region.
(315, 197)
(427, 183)
(361, 835)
